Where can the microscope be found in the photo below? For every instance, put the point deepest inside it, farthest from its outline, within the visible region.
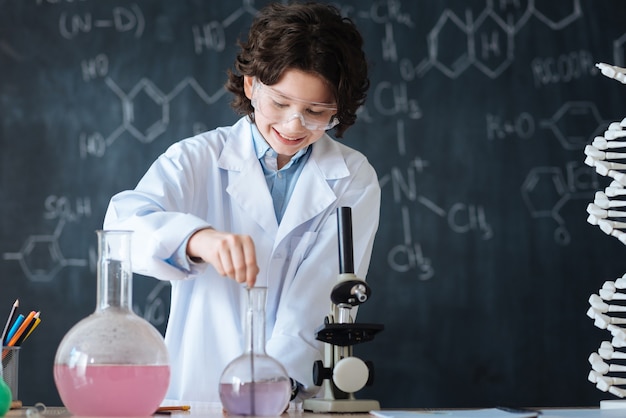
(341, 374)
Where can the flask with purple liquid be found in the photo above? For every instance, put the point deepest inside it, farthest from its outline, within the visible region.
(255, 383)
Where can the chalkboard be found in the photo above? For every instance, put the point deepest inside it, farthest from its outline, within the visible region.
(476, 121)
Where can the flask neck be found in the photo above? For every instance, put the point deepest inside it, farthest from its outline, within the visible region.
(114, 271)
(255, 321)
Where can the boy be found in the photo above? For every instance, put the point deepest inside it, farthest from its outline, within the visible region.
(254, 203)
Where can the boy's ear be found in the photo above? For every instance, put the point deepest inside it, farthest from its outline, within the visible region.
(247, 86)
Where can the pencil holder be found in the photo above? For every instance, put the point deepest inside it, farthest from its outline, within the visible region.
(10, 368)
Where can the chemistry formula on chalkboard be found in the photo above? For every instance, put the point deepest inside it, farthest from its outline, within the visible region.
(476, 120)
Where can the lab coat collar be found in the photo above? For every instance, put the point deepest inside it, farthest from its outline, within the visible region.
(247, 186)
(313, 193)
(249, 189)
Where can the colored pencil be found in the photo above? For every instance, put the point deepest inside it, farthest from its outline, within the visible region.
(27, 330)
(21, 329)
(10, 319)
(14, 328)
(32, 328)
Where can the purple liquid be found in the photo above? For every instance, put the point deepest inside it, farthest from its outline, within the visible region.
(258, 398)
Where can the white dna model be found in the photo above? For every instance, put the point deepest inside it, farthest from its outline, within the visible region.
(608, 211)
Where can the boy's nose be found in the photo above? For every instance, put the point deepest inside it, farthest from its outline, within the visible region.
(295, 116)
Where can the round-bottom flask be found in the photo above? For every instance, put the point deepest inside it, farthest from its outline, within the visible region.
(255, 383)
(113, 362)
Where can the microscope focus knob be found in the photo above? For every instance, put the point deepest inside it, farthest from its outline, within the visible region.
(350, 374)
(321, 373)
(350, 292)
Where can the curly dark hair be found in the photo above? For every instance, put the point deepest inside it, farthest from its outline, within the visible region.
(309, 37)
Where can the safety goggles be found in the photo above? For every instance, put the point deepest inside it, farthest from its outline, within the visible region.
(281, 108)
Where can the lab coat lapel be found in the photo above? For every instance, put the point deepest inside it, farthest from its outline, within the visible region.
(247, 186)
(312, 194)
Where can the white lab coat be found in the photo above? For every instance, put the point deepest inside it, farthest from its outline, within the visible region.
(215, 179)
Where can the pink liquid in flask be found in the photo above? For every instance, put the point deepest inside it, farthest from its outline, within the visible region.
(112, 390)
(256, 398)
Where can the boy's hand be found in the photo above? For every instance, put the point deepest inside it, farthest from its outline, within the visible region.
(232, 255)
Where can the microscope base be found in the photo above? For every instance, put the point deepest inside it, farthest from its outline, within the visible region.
(340, 405)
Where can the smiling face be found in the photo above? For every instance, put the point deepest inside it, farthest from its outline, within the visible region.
(296, 92)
